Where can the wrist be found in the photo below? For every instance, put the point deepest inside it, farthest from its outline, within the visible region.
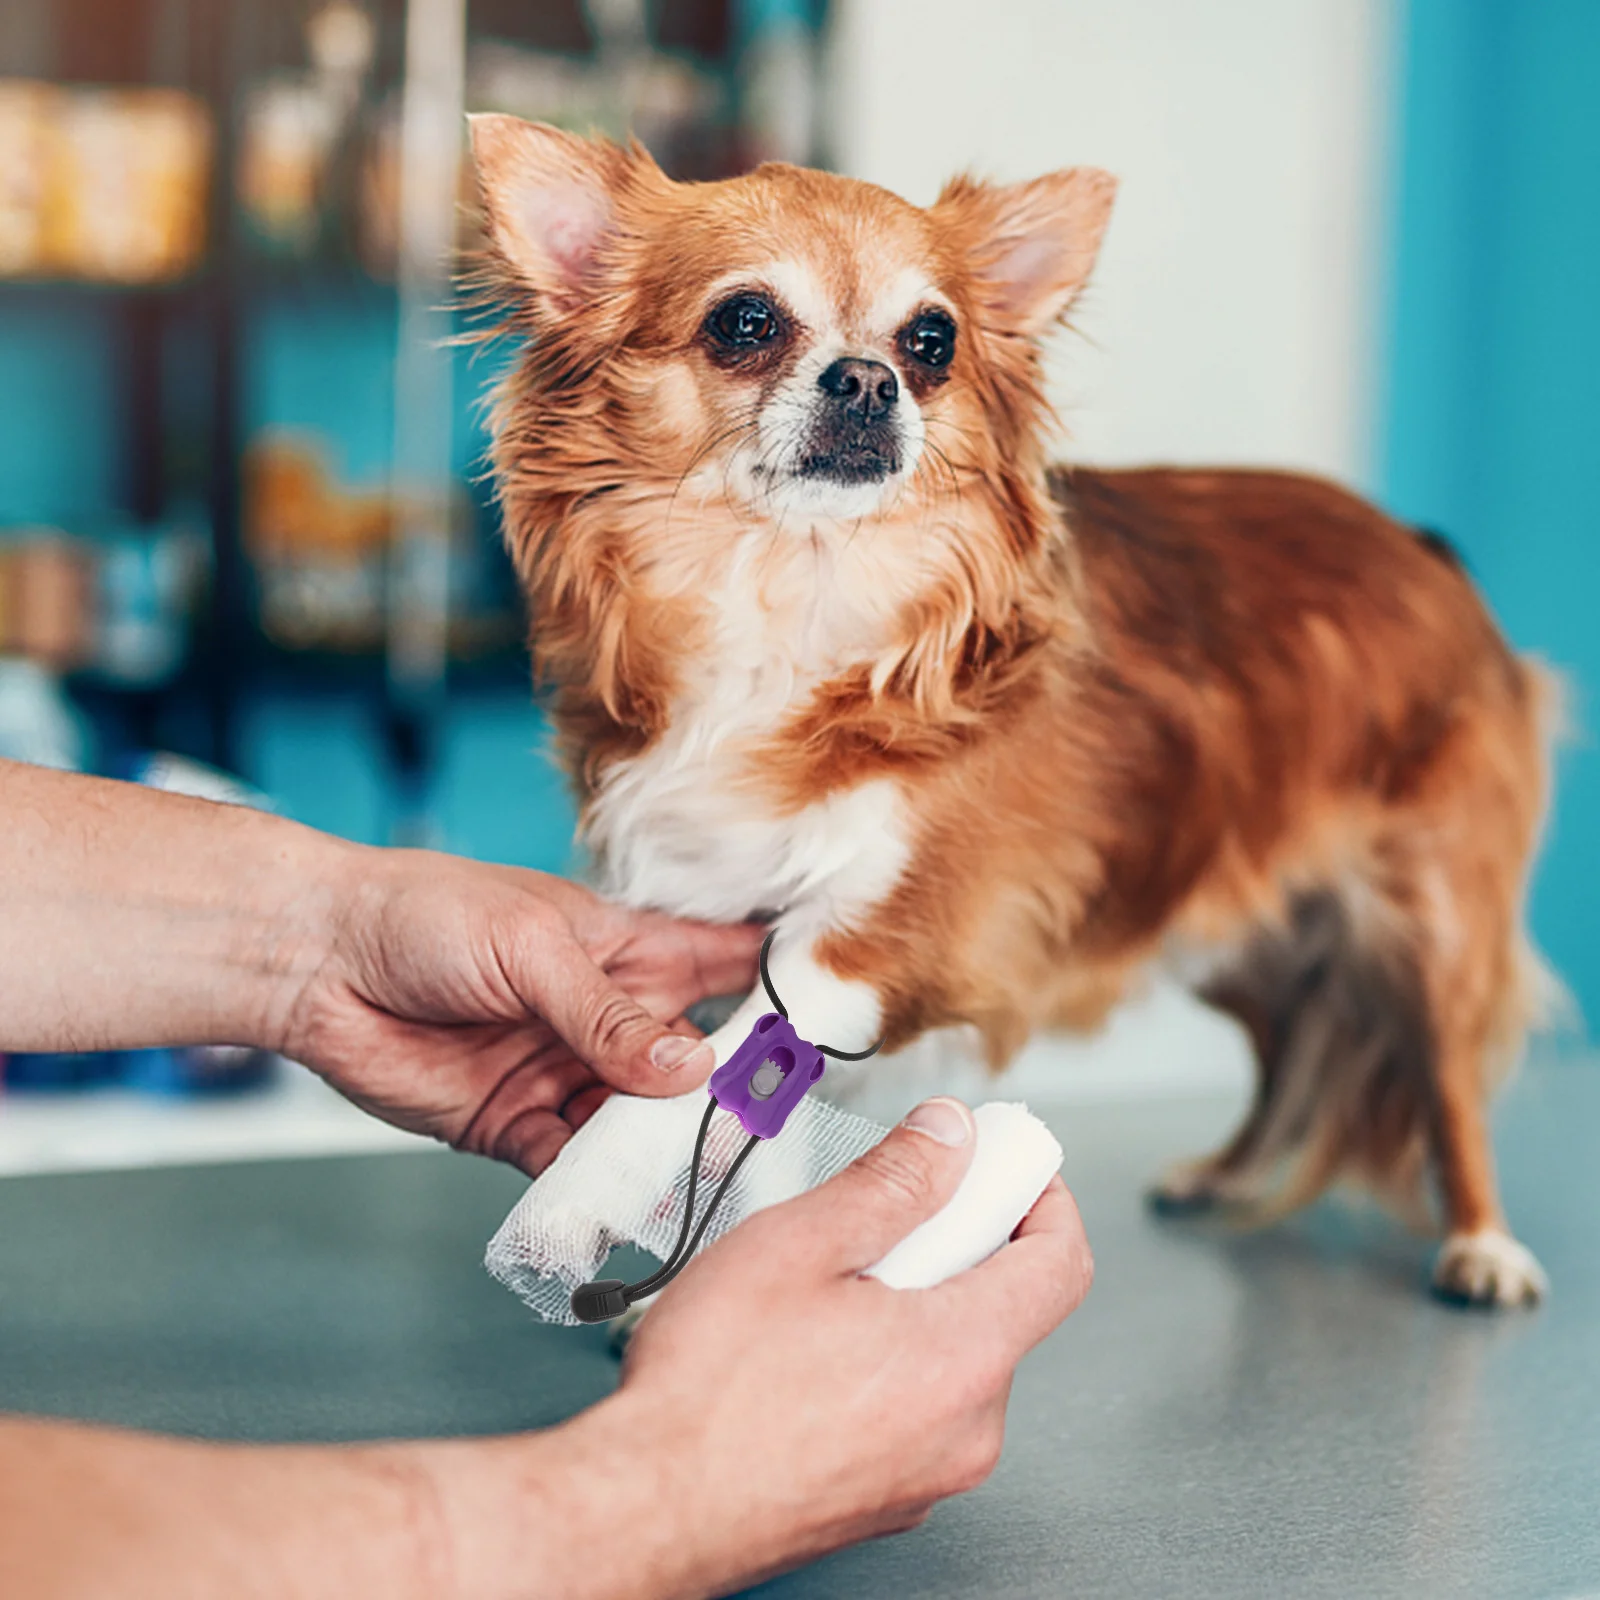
(599, 1508)
(329, 886)
(135, 918)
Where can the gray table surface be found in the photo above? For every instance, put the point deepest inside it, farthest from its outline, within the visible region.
(1278, 1414)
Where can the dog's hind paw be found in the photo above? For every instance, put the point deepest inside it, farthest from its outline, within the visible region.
(1192, 1188)
(1488, 1269)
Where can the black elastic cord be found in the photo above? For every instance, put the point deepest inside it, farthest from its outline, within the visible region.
(644, 1285)
(783, 1010)
(766, 977)
(664, 1275)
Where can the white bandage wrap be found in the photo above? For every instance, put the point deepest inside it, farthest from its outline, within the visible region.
(1016, 1156)
(623, 1178)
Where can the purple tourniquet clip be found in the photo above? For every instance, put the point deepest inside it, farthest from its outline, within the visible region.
(767, 1076)
(760, 1083)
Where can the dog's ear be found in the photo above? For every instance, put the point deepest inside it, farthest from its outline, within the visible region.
(550, 199)
(1031, 245)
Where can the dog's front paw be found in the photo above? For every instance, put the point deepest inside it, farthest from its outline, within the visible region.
(609, 1181)
(1490, 1269)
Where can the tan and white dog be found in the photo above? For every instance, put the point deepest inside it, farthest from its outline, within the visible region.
(831, 641)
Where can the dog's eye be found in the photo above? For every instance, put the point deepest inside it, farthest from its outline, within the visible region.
(745, 321)
(930, 339)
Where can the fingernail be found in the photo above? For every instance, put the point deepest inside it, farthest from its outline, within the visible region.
(943, 1119)
(673, 1053)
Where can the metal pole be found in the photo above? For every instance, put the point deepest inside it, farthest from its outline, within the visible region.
(432, 106)
(226, 644)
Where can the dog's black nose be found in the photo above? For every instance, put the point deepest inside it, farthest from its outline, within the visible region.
(867, 389)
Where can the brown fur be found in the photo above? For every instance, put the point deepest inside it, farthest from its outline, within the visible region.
(1138, 712)
(1288, 701)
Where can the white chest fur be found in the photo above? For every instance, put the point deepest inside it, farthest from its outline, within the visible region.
(684, 827)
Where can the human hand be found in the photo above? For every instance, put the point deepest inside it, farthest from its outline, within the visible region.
(495, 1008)
(812, 1407)
(774, 1406)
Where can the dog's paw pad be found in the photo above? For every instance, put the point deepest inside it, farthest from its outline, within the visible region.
(1488, 1268)
(1185, 1191)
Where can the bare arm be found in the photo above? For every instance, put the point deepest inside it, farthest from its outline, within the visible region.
(134, 918)
(88, 1513)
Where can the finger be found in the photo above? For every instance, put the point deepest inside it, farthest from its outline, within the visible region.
(607, 1029)
(533, 1135)
(722, 958)
(670, 965)
(1054, 1209)
(1031, 1285)
(529, 1141)
(853, 1219)
(584, 1104)
(543, 1078)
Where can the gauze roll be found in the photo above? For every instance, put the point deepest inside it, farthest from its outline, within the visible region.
(622, 1179)
(1015, 1157)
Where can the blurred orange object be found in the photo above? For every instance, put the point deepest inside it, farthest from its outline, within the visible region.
(25, 113)
(318, 550)
(47, 600)
(125, 194)
(321, 552)
(294, 511)
(287, 142)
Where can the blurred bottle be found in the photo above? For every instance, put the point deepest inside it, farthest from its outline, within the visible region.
(24, 134)
(107, 184)
(147, 585)
(296, 164)
(38, 723)
(125, 198)
(318, 549)
(46, 598)
(778, 81)
(173, 774)
(196, 1071)
(58, 1071)
(116, 605)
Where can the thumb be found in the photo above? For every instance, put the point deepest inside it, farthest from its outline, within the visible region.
(610, 1031)
(856, 1217)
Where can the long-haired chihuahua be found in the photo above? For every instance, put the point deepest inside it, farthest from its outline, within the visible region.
(832, 642)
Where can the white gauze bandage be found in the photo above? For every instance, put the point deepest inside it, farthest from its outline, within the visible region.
(623, 1176)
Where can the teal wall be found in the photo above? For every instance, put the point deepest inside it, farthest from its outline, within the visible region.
(499, 797)
(1492, 428)
(59, 448)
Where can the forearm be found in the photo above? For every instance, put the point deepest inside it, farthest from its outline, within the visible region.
(89, 1513)
(129, 917)
(580, 1511)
